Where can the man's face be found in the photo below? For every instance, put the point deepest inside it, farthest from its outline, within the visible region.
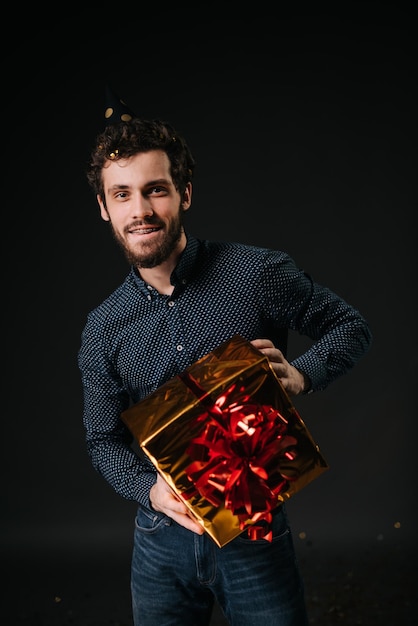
(144, 208)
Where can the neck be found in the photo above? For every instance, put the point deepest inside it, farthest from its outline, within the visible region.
(159, 277)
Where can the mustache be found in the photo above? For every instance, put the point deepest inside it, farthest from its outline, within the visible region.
(143, 223)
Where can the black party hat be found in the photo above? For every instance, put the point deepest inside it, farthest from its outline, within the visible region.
(116, 110)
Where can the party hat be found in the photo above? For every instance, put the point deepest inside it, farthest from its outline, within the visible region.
(116, 110)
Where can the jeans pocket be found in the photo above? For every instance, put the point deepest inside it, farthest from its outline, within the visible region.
(148, 521)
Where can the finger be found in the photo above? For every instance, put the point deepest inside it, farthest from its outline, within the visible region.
(177, 506)
(262, 343)
(188, 522)
(274, 355)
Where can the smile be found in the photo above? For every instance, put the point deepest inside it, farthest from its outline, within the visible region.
(143, 231)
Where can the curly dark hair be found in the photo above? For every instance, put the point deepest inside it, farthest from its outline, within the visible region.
(126, 139)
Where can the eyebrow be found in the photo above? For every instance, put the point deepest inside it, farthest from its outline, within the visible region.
(150, 183)
(113, 187)
(158, 181)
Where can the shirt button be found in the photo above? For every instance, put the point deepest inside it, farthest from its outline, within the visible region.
(170, 303)
(179, 348)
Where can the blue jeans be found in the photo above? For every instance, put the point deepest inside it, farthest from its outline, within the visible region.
(176, 575)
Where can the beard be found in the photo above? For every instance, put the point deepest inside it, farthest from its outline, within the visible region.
(152, 255)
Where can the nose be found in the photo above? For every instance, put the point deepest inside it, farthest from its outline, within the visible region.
(141, 207)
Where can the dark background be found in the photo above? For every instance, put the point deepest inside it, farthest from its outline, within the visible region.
(303, 125)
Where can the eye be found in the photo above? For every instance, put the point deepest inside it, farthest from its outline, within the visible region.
(157, 191)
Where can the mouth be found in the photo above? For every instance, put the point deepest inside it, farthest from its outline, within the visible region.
(144, 230)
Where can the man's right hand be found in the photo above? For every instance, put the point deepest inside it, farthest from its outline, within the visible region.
(164, 500)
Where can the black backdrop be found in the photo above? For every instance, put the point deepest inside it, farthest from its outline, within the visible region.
(304, 132)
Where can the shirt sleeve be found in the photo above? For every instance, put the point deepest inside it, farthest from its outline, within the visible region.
(340, 334)
(107, 438)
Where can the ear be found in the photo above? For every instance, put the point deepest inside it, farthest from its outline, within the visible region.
(187, 197)
(103, 211)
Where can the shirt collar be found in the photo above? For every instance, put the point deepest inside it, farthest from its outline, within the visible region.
(182, 273)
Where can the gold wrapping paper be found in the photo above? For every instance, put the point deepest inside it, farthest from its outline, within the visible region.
(169, 419)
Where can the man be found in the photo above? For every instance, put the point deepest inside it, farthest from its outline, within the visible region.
(181, 299)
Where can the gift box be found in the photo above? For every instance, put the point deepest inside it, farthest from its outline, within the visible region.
(226, 437)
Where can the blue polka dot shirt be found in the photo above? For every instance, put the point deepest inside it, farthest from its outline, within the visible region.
(137, 339)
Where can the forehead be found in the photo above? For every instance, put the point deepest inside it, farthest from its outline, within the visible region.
(139, 169)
